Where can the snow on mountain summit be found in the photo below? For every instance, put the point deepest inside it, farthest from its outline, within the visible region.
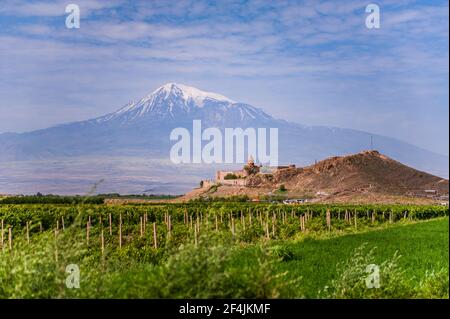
(190, 93)
(174, 100)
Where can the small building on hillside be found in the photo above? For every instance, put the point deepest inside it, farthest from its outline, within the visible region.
(238, 177)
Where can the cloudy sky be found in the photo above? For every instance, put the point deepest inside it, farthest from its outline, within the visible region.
(312, 62)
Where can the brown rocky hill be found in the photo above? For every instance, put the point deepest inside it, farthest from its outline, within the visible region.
(368, 174)
(367, 170)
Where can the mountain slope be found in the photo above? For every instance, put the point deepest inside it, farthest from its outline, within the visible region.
(142, 129)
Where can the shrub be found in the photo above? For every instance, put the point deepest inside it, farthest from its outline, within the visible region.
(435, 285)
(206, 271)
(251, 170)
(230, 176)
(351, 282)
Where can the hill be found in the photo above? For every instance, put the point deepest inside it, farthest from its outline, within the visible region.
(363, 177)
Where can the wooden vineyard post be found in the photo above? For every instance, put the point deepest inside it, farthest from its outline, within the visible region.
(28, 233)
(166, 221)
(10, 238)
(267, 230)
(356, 217)
(197, 224)
(145, 222)
(232, 226)
(155, 243)
(217, 225)
(196, 218)
(3, 239)
(141, 225)
(329, 220)
(373, 217)
(102, 240)
(390, 217)
(110, 224)
(40, 227)
(169, 225)
(120, 230)
(88, 229)
(274, 218)
(195, 236)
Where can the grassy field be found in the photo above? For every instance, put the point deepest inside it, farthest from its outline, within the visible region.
(422, 246)
(223, 250)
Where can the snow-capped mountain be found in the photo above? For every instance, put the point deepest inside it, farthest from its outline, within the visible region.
(177, 101)
(141, 130)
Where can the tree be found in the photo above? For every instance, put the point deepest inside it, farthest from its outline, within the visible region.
(230, 176)
(251, 169)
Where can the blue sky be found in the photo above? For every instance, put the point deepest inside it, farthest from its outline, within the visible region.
(312, 62)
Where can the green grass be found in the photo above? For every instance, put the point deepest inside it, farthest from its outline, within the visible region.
(423, 247)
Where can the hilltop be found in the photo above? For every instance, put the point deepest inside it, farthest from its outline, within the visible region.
(363, 177)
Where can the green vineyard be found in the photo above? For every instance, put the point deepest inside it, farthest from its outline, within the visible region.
(179, 250)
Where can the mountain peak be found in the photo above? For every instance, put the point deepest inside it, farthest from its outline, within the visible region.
(179, 101)
(189, 93)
